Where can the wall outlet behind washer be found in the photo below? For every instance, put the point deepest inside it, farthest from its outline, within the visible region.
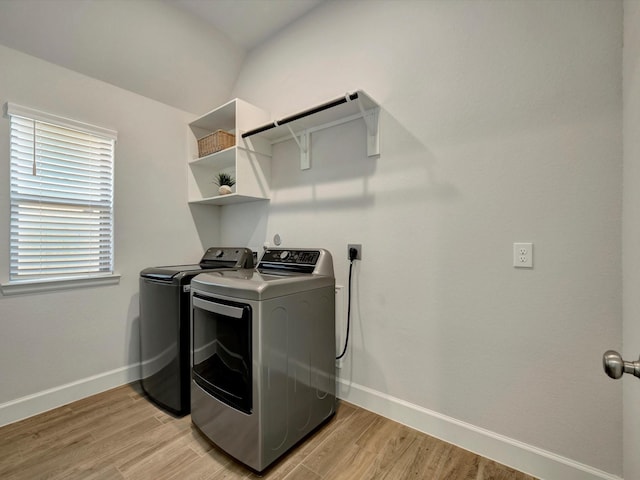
(358, 247)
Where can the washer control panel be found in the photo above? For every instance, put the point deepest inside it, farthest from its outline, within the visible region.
(290, 257)
(238, 257)
(292, 261)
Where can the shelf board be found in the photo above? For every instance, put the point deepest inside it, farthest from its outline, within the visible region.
(227, 199)
(223, 158)
(223, 117)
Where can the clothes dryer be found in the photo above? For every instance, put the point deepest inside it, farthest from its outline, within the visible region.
(263, 353)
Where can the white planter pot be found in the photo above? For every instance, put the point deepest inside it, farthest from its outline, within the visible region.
(224, 190)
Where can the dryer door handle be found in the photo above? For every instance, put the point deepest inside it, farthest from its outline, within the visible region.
(219, 308)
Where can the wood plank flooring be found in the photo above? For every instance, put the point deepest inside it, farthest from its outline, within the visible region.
(120, 435)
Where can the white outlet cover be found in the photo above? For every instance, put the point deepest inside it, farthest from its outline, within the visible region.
(523, 255)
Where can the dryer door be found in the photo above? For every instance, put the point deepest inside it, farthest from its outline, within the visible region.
(222, 354)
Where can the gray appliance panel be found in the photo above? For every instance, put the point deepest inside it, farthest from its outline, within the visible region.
(162, 365)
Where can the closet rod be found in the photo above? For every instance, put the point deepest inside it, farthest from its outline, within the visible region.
(305, 113)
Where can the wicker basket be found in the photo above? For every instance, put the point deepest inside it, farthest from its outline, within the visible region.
(218, 140)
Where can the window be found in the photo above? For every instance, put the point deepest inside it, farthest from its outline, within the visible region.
(61, 198)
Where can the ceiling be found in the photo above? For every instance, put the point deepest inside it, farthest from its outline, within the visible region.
(247, 23)
(172, 51)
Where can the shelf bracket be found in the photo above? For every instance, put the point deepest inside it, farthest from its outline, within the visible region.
(371, 119)
(303, 144)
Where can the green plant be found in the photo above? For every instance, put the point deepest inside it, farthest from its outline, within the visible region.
(224, 179)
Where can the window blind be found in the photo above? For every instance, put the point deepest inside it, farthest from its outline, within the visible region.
(61, 197)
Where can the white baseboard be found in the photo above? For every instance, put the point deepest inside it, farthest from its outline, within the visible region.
(525, 458)
(40, 402)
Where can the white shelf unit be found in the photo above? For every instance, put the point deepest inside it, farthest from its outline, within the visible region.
(249, 161)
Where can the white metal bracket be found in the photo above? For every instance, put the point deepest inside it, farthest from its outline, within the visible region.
(364, 108)
(372, 119)
(303, 144)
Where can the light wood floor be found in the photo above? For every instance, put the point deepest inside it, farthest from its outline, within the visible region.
(119, 435)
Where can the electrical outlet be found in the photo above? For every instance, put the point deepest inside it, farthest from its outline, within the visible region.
(358, 247)
(523, 255)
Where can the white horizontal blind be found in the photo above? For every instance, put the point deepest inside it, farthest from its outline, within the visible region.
(61, 201)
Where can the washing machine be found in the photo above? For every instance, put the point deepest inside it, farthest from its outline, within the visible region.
(165, 325)
(263, 354)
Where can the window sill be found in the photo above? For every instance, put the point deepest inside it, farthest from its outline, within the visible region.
(19, 288)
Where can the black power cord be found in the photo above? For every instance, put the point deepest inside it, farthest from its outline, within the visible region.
(353, 253)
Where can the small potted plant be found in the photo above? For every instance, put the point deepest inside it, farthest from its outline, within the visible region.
(224, 182)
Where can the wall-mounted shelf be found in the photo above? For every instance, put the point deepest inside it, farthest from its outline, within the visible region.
(249, 161)
(329, 114)
(228, 199)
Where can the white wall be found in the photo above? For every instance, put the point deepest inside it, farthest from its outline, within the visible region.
(631, 234)
(501, 123)
(149, 47)
(48, 341)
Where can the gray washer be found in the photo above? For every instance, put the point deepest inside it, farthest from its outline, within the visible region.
(165, 325)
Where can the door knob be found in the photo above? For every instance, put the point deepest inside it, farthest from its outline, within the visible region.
(615, 366)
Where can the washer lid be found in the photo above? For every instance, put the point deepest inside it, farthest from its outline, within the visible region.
(253, 285)
(169, 272)
(214, 258)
